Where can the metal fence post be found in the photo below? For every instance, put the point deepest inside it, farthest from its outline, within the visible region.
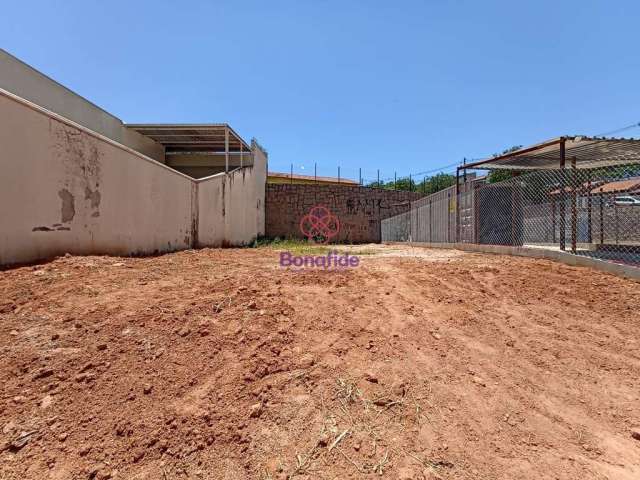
(563, 191)
(457, 205)
(574, 210)
(589, 209)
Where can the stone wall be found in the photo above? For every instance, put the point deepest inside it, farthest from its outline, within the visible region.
(358, 209)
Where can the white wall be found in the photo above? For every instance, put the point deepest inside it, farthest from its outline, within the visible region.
(64, 188)
(26, 82)
(231, 207)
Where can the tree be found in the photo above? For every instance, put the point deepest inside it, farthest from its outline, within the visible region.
(436, 183)
(501, 174)
(428, 185)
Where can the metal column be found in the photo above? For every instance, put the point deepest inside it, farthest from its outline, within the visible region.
(574, 210)
(563, 192)
(226, 149)
(457, 239)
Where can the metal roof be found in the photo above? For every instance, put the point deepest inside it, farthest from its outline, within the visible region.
(588, 152)
(629, 185)
(192, 138)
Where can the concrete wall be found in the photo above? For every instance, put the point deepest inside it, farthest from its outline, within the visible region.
(359, 209)
(240, 197)
(26, 82)
(64, 188)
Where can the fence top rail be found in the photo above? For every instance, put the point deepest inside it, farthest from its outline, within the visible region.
(585, 152)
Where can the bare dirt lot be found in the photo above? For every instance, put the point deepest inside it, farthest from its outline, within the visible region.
(221, 364)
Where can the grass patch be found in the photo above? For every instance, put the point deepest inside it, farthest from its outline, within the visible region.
(303, 247)
(294, 245)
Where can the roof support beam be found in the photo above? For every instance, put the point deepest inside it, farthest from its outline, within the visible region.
(226, 149)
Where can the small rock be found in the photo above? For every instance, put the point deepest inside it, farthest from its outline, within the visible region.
(436, 335)
(102, 346)
(256, 410)
(184, 331)
(635, 433)
(306, 361)
(252, 305)
(9, 427)
(47, 400)
(478, 381)
(99, 472)
(84, 450)
(63, 436)
(371, 377)
(104, 474)
(55, 336)
(399, 388)
(324, 439)
(147, 387)
(43, 373)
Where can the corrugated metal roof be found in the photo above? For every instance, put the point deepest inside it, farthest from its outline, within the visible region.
(588, 152)
(629, 185)
(192, 138)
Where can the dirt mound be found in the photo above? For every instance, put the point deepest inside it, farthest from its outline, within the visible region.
(221, 364)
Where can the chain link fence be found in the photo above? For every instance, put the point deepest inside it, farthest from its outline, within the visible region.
(593, 212)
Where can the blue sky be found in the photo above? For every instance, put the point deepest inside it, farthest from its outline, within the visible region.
(404, 86)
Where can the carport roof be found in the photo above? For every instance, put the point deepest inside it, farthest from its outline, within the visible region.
(588, 152)
(192, 138)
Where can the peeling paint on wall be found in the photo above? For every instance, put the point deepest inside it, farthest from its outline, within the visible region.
(67, 209)
(94, 199)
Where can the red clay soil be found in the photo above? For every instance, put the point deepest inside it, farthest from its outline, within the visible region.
(220, 364)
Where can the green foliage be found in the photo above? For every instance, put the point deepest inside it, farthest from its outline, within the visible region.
(436, 183)
(427, 186)
(500, 175)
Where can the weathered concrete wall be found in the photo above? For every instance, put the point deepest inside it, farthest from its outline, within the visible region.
(261, 166)
(26, 82)
(230, 208)
(359, 209)
(64, 188)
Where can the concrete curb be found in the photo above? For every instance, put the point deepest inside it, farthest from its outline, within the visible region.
(625, 271)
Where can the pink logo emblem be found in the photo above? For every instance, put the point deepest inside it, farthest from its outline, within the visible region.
(319, 225)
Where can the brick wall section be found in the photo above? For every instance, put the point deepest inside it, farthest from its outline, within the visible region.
(359, 209)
